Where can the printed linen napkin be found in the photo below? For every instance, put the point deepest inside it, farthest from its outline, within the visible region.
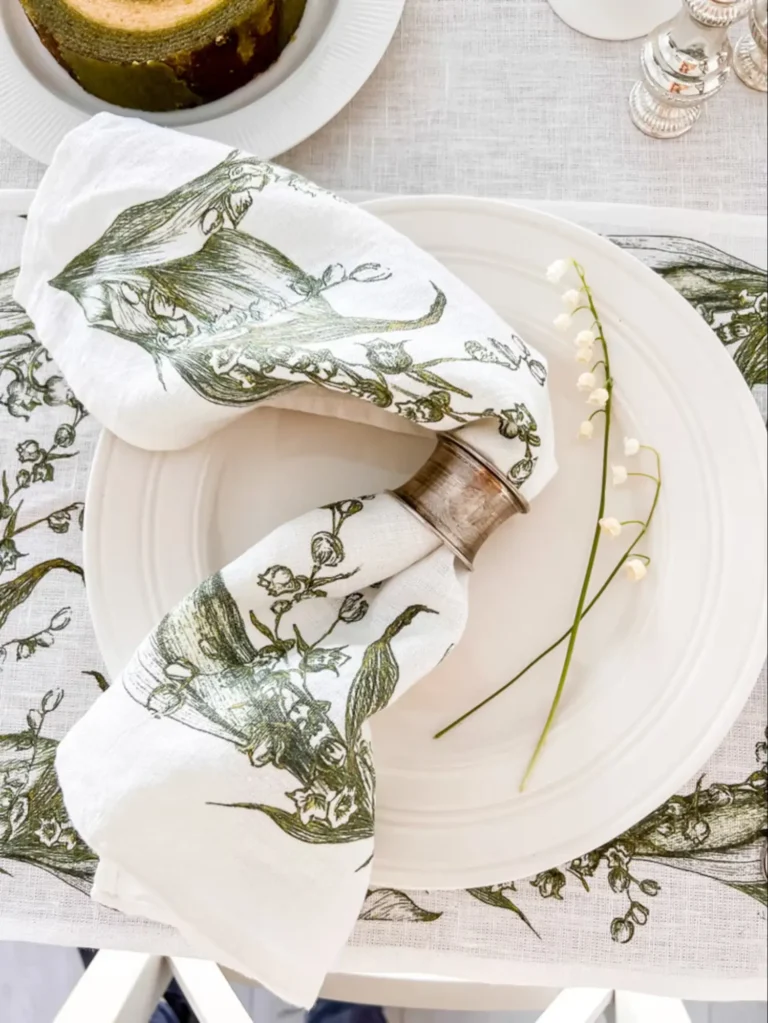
(226, 780)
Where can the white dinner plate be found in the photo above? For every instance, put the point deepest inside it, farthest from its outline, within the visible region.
(662, 668)
(336, 48)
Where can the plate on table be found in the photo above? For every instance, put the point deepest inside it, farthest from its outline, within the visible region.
(661, 670)
(336, 48)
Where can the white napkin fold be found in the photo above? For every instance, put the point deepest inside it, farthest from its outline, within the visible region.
(226, 780)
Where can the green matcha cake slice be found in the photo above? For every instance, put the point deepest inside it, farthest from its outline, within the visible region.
(164, 54)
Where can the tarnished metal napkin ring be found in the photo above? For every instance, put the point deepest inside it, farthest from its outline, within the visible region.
(461, 497)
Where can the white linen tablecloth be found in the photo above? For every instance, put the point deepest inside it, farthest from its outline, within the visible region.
(630, 915)
(500, 98)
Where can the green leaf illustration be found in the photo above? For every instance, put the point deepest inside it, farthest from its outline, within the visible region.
(757, 891)
(16, 591)
(426, 376)
(132, 283)
(263, 629)
(326, 580)
(717, 832)
(494, 895)
(219, 628)
(34, 827)
(752, 354)
(100, 680)
(740, 866)
(698, 826)
(13, 319)
(389, 904)
(301, 644)
(357, 829)
(367, 773)
(731, 294)
(374, 684)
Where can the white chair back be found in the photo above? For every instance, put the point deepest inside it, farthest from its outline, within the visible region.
(124, 987)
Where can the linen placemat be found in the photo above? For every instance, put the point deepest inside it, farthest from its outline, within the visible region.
(699, 927)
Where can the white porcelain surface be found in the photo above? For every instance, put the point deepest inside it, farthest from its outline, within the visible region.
(662, 669)
(614, 19)
(337, 46)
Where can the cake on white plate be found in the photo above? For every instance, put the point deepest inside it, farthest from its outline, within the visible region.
(164, 54)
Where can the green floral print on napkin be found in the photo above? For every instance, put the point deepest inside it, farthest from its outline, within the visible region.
(241, 322)
(201, 669)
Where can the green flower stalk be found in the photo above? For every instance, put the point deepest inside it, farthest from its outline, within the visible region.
(634, 564)
(603, 399)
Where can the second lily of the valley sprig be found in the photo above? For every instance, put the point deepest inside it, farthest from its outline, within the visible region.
(598, 384)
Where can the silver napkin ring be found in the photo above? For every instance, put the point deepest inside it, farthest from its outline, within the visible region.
(461, 497)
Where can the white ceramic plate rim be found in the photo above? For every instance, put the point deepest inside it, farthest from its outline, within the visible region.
(748, 658)
(736, 396)
(356, 37)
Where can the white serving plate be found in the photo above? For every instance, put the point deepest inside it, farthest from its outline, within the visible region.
(662, 669)
(337, 46)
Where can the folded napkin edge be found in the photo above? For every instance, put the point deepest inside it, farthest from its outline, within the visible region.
(117, 889)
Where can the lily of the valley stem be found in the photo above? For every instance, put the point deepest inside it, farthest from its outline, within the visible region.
(600, 399)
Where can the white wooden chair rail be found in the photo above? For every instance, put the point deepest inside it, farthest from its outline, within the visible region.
(634, 1008)
(587, 1005)
(208, 992)
(118, 987)
(414, 991)
(124, 987)
(578, 1005)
